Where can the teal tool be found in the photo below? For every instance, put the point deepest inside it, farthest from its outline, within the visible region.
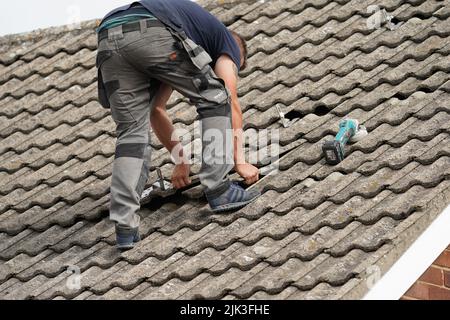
(349, 130)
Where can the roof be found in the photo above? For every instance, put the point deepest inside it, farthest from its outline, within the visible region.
(317, 232)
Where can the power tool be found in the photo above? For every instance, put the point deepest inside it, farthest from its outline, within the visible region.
(349, 130)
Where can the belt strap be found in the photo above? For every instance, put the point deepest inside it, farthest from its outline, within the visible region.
(181, 35)
(132, 26)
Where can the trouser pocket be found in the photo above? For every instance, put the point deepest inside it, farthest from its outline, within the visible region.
(211, 87)
(103, 95)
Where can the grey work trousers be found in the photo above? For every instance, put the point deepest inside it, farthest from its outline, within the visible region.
(133, 65)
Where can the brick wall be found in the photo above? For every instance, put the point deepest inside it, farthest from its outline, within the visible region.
(434, 283)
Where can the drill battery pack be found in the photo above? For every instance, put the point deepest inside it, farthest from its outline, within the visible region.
(333, 152)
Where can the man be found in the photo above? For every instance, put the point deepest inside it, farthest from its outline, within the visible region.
(147, 49)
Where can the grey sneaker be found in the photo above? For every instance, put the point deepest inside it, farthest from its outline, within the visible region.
(126, 237)
(235, 197)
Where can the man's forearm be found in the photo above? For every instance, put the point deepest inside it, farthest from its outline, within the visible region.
(163, 128)
(238, 135)
(160, 121)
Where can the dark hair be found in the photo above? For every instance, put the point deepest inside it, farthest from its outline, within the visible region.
(243, 46)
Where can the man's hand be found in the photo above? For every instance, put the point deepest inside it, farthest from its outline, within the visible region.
(180, 176)
(247, 171)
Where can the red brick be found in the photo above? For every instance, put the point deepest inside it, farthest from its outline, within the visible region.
(433, 275)
(447, 278)
(407, 298)
(443, 260)
(419, 291)
(438, 293)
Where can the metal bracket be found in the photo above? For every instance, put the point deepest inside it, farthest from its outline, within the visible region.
(283, 119)
(160, 179)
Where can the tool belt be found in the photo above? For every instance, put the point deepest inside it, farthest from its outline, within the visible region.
(199, 57)
(132, 26)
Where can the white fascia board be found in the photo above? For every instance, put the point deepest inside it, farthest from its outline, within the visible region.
(413, 263)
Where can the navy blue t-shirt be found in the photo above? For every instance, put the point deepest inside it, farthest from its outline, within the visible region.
(198, 24)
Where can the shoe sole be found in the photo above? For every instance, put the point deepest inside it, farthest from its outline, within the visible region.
(125, 247)
(233, 206)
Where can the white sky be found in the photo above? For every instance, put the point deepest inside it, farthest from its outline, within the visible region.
(26, 15)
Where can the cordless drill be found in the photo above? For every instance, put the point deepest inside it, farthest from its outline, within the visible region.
(349, 129)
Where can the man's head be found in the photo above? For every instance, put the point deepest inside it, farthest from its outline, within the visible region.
(242, 47)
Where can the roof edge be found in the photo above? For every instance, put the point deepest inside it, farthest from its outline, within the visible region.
(227, 4)
(414, 262)
(38, 34)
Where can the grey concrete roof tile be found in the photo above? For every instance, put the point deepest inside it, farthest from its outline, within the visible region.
(395, 111)
(324, 291)
(8, 286)
(237, 9)
(17, 196)
(44, 198)
(15, 222)
(266, 9)
(225, 236)
(16, 139)
(25, 291)
(169, 218)
(275, 279)
(367, 238)
(338, 216)
(57, 263)
(130, 276)
(427, 175)
(60, 285)
(38, 242)
(21, 262)
(308, 246)
(118, 293)
(283, 295)
(414, 149)
(439, 103)
(173, 289)
(425, 129)
(253, 252)
(334, 271)
(16, 49)
(218, 286)
(188, 267)
(86, 295)
(331, 187)
(165, 246)
(89, 235)
(369, 186)
(400, 208)
(9, 240)
(284, 180)
(86, 208)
